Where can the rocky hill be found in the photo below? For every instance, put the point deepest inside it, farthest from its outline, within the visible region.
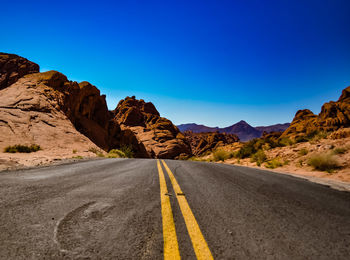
(49, 110)
(242, 129)
(207, 142)
(333, 115)
(160, 137)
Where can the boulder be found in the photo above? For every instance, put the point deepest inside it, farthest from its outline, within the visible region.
(160, 137)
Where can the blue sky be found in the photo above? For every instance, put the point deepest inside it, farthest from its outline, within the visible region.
(210, 62)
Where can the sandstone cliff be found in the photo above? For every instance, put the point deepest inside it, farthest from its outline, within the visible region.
(160, 136)
(49, 110)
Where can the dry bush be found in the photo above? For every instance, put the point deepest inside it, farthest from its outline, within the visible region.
(324, 162)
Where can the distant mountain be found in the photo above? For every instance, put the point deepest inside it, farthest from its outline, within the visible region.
(273, 128)
(242, 129)
(197, 128)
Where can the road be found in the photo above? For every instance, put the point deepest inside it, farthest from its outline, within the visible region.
(114, 209)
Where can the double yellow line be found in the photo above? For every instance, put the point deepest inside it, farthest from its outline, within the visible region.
(171, 247)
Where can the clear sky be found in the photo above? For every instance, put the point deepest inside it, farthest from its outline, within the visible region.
(211, 62)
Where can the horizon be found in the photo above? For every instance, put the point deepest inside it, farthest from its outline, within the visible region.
(198, 62)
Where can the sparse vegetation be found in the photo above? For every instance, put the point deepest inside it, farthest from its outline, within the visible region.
(303, 151)
(259, 157)
(123, 152)
(274, 163)
(74, 151)
(93, 150)
(220, 155)
(96, 151)
(340, 150)
(18, 148)
(78, 157)
(253, 146)
(311, 137)
(300, 163)
(127, 150)
(324, 162)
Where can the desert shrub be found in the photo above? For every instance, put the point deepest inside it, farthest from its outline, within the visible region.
(285, 141)
(274, 163)
(77, 157)
(301, 139)
(303, 151)
(259, 157)
(340, 150)
(324, 162)
(74, 151)
(220, 155)
(300, 163)
(100, 154)
(247, 150)
(127, 150)
(93, 150)
(116, 153)
(18, 148)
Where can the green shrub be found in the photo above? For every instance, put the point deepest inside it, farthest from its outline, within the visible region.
(259, 157)
(324, 162)
(220, 155)
(300, 163)
(340, 150)
(78, 157)
(274, 163)
(123, 152)
(22, 148)
(303, 151)
(115, 153)
(127, 150)
(286, 162)
(285, 141)
(301, 139)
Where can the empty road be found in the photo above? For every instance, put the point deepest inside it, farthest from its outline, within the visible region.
(150, 209)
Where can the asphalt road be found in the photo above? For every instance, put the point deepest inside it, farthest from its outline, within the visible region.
(111, 209)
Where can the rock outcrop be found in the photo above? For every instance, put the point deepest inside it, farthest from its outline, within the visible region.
(161, 138)
(49, 110)
(208, 141)
(333, 115)
(13, 67)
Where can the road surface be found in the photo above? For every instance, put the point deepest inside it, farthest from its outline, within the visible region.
(127, 208)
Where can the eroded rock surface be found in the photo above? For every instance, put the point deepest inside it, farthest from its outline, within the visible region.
(49, 110)
(333, 115)
(209, 141)
(161, 138)
(13, 67)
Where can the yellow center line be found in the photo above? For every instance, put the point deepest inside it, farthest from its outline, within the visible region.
(200, 246)
(171, 247)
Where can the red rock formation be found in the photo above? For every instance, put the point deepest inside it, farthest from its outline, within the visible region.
(13, 67)
(50, 99)
(46, 95)
(208, 141)
(333, 115)
(159, 135)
